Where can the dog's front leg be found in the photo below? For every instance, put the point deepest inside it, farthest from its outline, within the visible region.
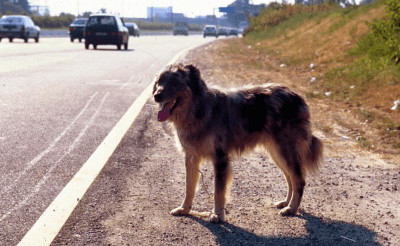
(223, 179)
(192, 164)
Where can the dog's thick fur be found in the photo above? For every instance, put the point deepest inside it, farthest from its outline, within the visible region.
(215, 125)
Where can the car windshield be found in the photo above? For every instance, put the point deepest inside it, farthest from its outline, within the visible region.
(11, 20)
(80, 22)
(210, 28)
(101, 20)
(184, 24)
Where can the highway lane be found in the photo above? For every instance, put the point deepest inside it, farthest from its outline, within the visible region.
(64, 33)
(58, 101)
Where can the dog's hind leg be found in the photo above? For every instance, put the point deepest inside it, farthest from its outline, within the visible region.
(285, 203)
(192, 164)
(223, 180)
(274, 153)
(296, 176)
(284, 156)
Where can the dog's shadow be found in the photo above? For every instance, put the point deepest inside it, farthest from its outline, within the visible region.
(319, 233)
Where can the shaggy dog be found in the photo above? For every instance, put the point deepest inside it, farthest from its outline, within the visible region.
(216, 125)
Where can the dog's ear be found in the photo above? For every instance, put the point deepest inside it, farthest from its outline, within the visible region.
(196, 84)
(194, 71)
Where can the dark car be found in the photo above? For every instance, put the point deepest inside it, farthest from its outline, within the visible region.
(223, 31)
(76, 29)
(210, 30)
(180, 28)
(133, 29)
(233, 32)
(18, 26)
(105, 29)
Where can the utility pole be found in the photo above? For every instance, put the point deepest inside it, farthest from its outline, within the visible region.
(172, 16)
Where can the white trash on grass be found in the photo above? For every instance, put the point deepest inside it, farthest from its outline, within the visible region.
(396, 103)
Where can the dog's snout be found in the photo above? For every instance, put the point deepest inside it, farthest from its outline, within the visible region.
(158, 97)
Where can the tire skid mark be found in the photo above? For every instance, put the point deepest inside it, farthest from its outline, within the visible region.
(38, 186)
(46, 151)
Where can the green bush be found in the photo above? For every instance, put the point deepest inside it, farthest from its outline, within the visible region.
(53, 21)
(384, 39)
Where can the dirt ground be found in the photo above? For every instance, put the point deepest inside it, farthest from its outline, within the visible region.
(353, 200)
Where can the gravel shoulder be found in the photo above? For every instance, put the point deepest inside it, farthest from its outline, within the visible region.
(353, 200)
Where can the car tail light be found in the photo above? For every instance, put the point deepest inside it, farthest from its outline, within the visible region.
(71, 29)
(117, 33)
(88, 33)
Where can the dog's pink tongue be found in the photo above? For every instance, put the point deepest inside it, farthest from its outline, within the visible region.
(163, 114)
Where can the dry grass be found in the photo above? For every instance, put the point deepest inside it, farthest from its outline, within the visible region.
(314, 43)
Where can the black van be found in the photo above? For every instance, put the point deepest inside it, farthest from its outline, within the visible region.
(106, 29)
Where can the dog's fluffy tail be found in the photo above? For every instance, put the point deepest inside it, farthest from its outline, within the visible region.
(314, 155)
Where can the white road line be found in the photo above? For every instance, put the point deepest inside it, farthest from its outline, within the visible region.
(110, 80)
(53, 218)
(46, 151)
(123, 86)
(47, 175)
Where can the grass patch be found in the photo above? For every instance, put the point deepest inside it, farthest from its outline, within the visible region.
(314, 94)
(327, 129)
(369, 116)
(363, 141)
(282, 27)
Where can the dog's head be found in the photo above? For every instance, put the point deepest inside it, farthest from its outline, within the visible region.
(177, 83)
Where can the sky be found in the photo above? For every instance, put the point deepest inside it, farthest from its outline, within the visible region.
(138, 8)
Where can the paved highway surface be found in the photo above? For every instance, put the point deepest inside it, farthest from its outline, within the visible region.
(58, 101)
(64, 33)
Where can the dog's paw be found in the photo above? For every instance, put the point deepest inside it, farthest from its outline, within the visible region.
(216, 219)
(281, 204)
(288, 211)
(180, 211)
(217, 216)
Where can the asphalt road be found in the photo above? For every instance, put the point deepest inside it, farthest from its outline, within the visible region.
(64, 33)
(58, 101)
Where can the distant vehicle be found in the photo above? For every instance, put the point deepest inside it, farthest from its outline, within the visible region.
(133, 29)
(76, 29)
(180, 28)
(18, 26)
(233, 32)
(223, 31)
(106, 29)
(210, 30)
